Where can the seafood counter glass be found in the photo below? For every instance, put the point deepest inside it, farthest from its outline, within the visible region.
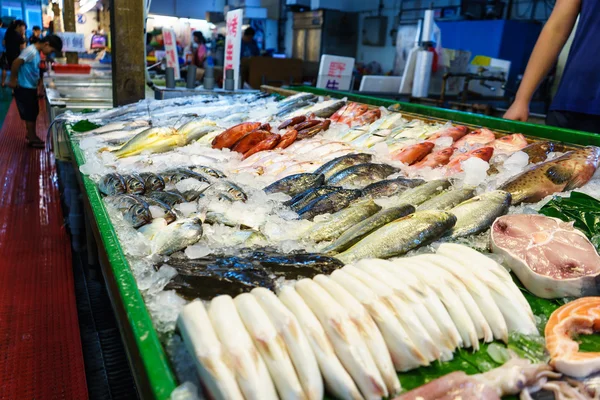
(338, 248)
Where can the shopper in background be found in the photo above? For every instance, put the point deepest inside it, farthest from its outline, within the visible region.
(199, 54)
(36, 35)
(249, 45)
(14, 42)
(24, 77)
(577, 101)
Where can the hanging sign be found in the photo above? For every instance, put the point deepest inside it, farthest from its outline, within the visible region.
(170, 40)
(233, 44)
(72, 42)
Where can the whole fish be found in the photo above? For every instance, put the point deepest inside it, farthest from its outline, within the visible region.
(306, 124)
(287, 139)
(352, 111)
(329, 203)
(361, 175)
(538, 151)
(480, 137)
(455, 132)
(291, 122)
(337, 380)
(509, 143)
(424, 192)
(345, 337)
(152, 181)
(152, 140)
(196, 129)
(367, 118)
(267, 144)
(437, 159)
(177, 175)
(390, 187)
(134, 209)
(477, 214)
(249, 367)
(414, 153)
(570, 171)
(336, 165)
(167, 210)
(448, 199)
(295, 184)
(342, 221)
(483, 153)
(177, 236)
(250, 140)
(300, 201)
(135, 184)
(228, 188)
(213, 172)
(310, 132)
(400, 236)
(367, 328)
(270, 346)
(167, 197)
(297, 98)
(328, 110)
(230, 137)
(201, 342)
(367, 226)
(112, 184)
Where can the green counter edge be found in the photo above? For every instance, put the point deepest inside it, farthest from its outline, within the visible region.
(538, 131)
(157, 367)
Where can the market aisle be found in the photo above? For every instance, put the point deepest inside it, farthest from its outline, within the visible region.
(40, 345)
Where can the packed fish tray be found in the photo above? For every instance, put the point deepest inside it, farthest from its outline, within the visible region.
(311, 246)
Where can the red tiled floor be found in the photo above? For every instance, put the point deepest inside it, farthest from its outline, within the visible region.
(40, 346)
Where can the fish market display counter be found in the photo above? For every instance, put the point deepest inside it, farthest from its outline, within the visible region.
(147, 345)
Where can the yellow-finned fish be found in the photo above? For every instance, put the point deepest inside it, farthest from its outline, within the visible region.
(153, 140)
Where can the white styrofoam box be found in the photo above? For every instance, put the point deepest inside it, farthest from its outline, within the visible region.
(381, 84)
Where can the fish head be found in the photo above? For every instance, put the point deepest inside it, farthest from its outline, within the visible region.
(154, 183)
(236, 193)
(484, 153)
(138, 215)
(444, 154)
(135, 185)
(112, 184)
(583, 163)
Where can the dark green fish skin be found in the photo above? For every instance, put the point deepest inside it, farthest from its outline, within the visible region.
(152, 182)
(135, 184)
(170, 214)
(112, 184)
(303, 199)
(169, 197)
(336, 165)
(295, 184)
(329, 203)
(401, 236)
(448, 199)
(390, 187)
(361, 175)
(366, 227)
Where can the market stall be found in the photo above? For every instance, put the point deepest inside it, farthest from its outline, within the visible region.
(370, 220)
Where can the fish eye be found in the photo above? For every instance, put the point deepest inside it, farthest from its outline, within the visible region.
(139, 211)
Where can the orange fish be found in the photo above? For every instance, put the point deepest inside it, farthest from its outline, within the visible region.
(269, 143)
(339, 113)
(367, 118)
(353, 111)
(484, 153)
(250, 140)
(437, 159)
(288, 138)
(480, 137)
(414, 153)
(230, 137)
(455, 132)
(510, 143)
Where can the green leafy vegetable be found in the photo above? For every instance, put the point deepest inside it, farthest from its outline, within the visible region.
(580, 208)
(83, 126)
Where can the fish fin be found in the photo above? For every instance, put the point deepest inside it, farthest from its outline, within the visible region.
(559, 174)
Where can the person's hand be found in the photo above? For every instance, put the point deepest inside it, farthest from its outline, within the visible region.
(518, 111)
(12, 84)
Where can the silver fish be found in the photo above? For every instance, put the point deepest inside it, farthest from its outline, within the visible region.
(112, 184)
(230, 190)
(421, 194)
(177, 236)
(477, 214)
(448, 199)
(342, 220)
(391, 187)
(152, 181)
(135, 184)
(361, 175)
(293, 185)
(338, 164)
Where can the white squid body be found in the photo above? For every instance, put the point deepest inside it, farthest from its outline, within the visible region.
(250, 370)
(201, 341)
(271, 347)
(347, 342)
(337, 380)
(367, 328)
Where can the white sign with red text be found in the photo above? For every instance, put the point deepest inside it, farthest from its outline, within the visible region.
(170, 40)
(335, 72)
(233, 44)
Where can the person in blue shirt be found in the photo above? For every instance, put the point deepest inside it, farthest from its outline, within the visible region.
(577, 101)
(24, 76)
(249, 45)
